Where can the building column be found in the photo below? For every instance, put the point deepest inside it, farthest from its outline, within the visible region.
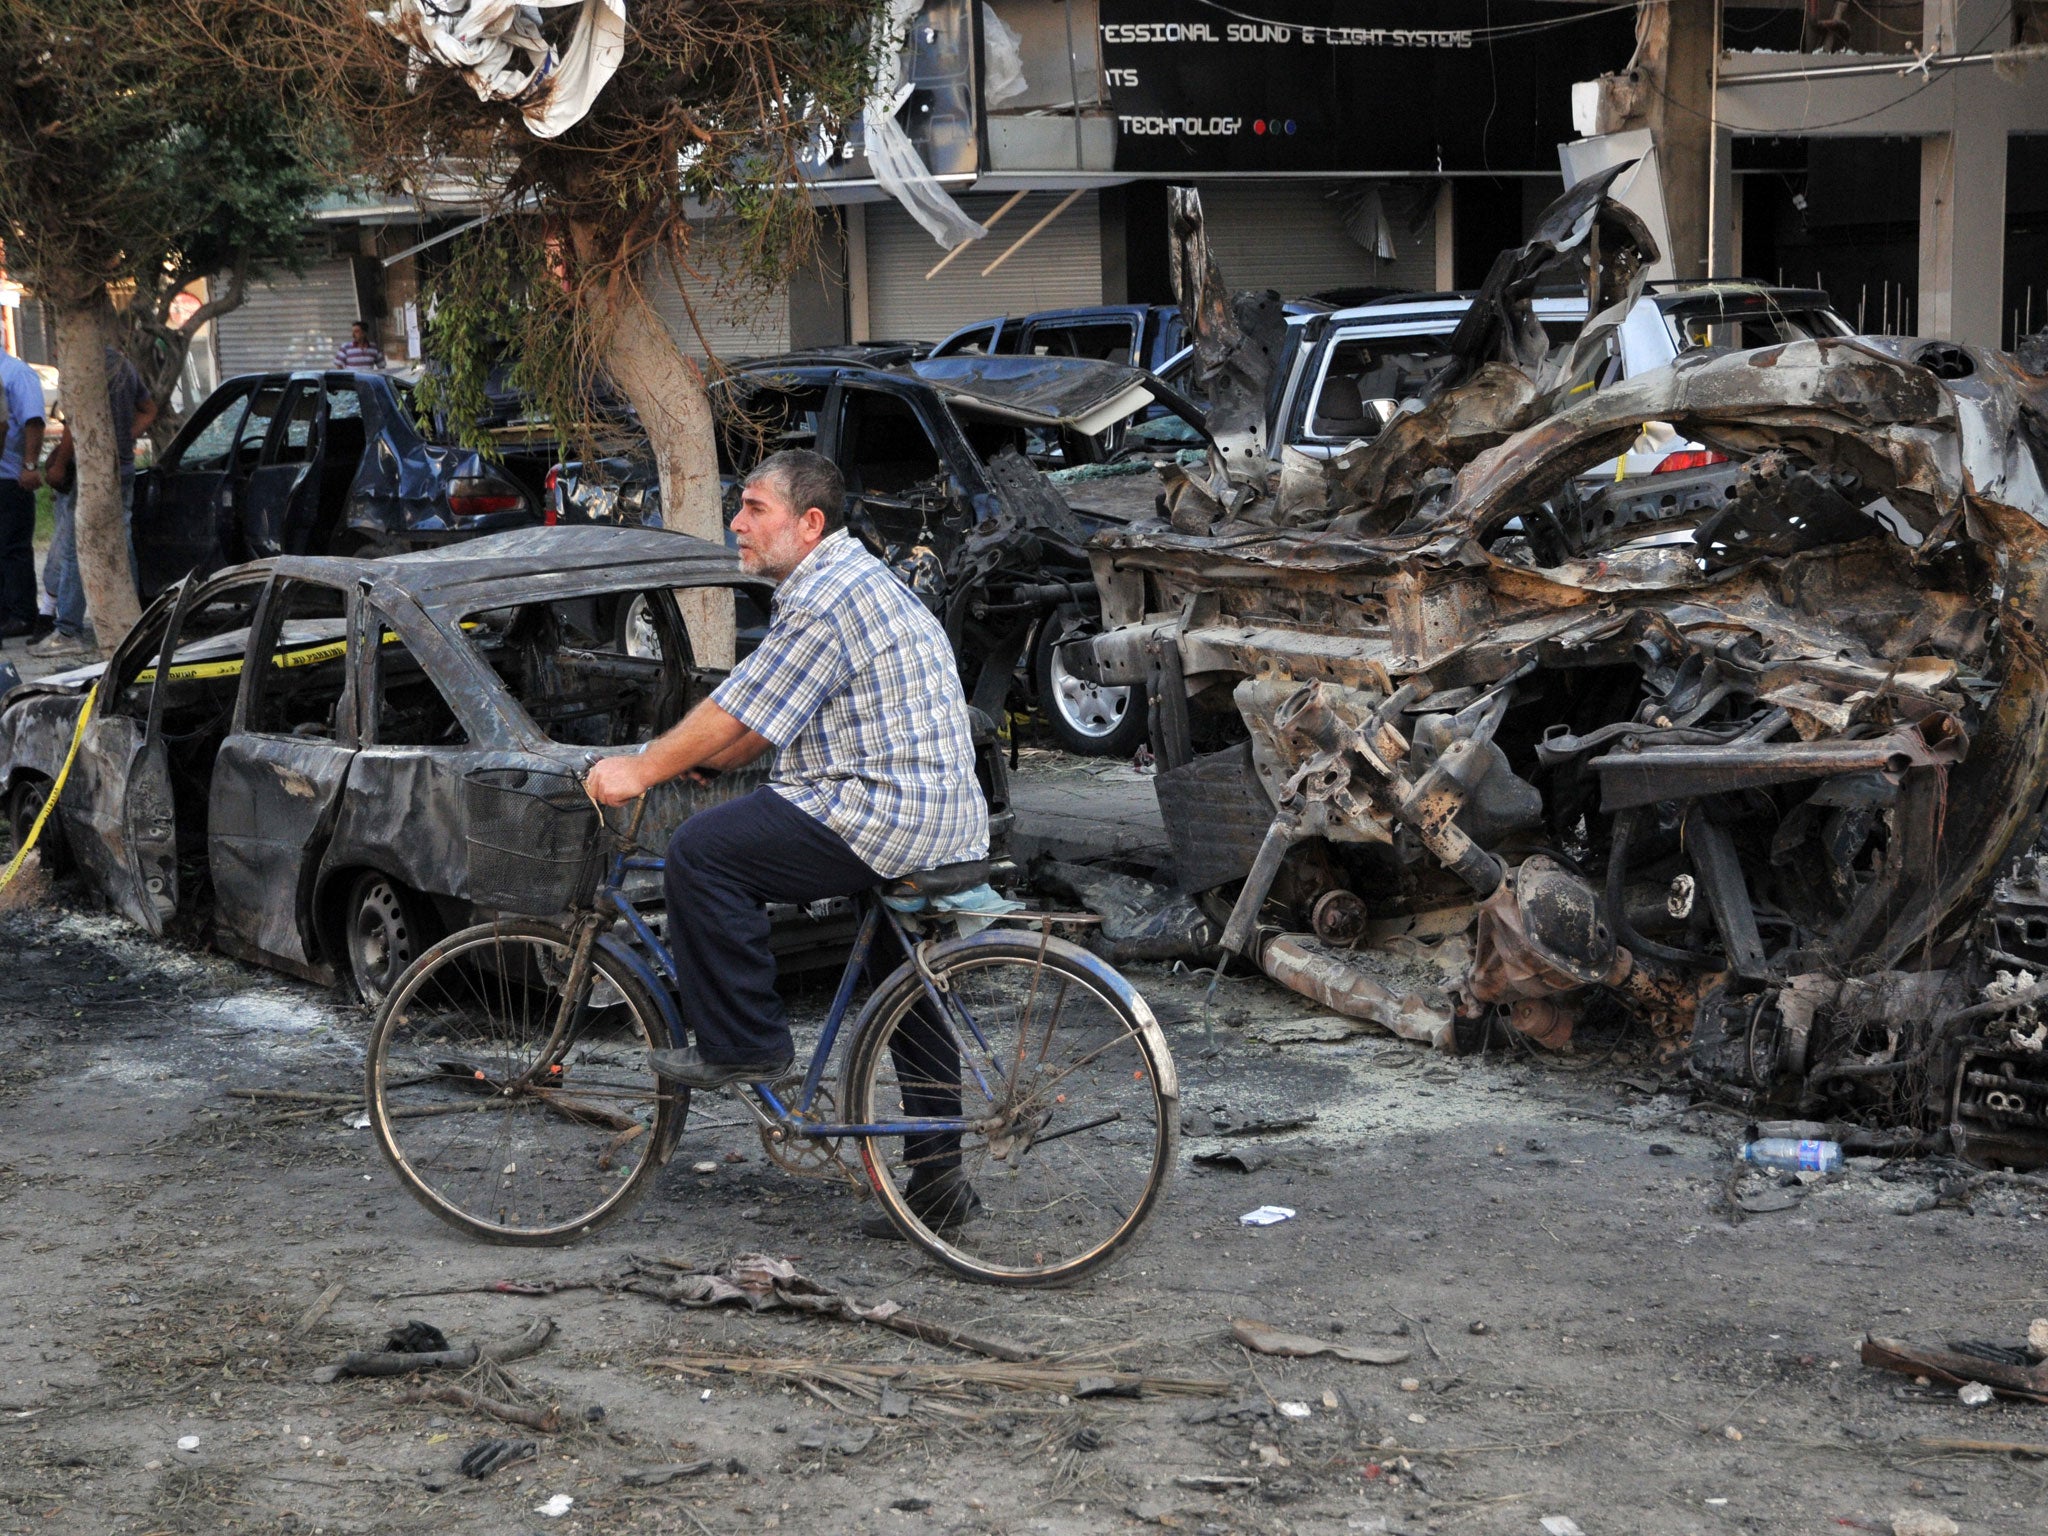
(1446, 245)
(1962, 232)
(1724, 237)
(857, 329)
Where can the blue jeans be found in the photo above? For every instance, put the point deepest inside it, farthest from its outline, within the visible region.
(60, 572)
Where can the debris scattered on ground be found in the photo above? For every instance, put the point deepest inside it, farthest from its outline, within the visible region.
(762, 1283)
(868, 1381)
(545, 1420)
(652, 1477)
(488, 1456)
(393, 1360)
(1236, 1159)
(1561, 1525)
(2020, 1373)
(1213, 1484)
(1266, 1216)
(555, 1507)
(1974, 1394)
(1265, 1339)
(1140, 920)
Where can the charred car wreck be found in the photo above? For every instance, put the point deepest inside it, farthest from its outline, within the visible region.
(324, 764)
(1471, 753)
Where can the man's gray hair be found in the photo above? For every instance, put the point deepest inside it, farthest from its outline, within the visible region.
(805, 479)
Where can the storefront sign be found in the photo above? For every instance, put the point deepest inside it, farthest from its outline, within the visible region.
(1263, 86)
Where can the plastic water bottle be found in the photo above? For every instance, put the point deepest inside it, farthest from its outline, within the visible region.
(1794, 1156)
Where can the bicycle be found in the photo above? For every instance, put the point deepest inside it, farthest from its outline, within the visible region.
(508, 1083)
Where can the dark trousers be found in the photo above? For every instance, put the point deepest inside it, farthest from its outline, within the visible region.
(723, 864)
(17, 554)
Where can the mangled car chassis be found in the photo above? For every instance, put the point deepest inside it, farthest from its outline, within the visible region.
(1495, 758)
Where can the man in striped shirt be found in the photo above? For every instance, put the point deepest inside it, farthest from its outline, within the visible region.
(359, 353)
(855, 688)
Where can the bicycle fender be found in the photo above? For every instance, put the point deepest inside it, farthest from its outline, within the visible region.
(628, 960)
(1111, 980)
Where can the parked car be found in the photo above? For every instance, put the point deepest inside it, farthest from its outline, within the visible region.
(312, 756)
(946, 463)
(1148, 336)
(1342, 376)
(318, 463)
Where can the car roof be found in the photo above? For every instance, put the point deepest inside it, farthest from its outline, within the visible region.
(1436, 306)
(430, 575)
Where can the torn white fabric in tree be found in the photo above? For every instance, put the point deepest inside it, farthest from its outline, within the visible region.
(899, 170)
(501, 49)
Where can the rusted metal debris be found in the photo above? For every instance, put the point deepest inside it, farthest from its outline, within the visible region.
(1760, 774)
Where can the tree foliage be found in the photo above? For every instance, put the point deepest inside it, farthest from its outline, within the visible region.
(134, 160)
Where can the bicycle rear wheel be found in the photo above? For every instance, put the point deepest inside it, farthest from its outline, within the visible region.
(492, 1123)
(1067, 1091)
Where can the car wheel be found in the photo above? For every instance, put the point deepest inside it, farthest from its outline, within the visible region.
(24, 803)
(1088, 718)
(637, 634)
(385, 932)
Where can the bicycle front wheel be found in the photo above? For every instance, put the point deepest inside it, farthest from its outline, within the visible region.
(497, 1121)
(1064, 1094)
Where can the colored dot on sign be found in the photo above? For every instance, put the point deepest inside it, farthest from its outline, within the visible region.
(479, 1076)
(1290, 125)
(1259, 126)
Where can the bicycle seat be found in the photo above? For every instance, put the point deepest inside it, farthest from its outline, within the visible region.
(943, 881)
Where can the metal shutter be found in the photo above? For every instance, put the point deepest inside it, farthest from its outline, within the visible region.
(294, 322)
(735, 325)
(1061, 267)
(1290, 235)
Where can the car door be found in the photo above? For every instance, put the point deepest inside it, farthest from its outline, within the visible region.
(282, 491)
(278, 777)
(120, 815)
(178, 526)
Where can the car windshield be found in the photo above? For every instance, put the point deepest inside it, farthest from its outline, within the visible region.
(1749, 320)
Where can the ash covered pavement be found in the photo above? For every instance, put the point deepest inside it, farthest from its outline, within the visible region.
(1589, 1312)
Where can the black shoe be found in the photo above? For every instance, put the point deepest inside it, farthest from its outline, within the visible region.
(683, 1065)
(14, 629)
(45, 622)
(943, 1203)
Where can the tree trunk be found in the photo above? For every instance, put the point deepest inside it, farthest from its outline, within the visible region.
(668, 392)
(102, 526)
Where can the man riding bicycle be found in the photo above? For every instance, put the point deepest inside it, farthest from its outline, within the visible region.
(854, 687)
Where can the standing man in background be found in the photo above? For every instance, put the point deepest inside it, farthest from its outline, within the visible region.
(21, 452)
(359, 352)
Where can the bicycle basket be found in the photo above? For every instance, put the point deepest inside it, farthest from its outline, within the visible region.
(533, 841)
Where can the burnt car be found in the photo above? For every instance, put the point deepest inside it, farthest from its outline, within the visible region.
(977, 479)
(312, 759)
(1765, 776)
(318, 463)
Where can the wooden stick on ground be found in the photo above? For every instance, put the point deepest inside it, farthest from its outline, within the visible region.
(546, 1420)
(391, 1362)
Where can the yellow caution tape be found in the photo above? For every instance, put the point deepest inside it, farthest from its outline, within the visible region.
(50, 804)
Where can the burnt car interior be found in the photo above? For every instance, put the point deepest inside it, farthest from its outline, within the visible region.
(564, 661)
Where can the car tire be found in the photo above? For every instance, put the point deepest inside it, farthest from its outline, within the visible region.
(384, 929)
(24, 804)
(634, 631)
(1085, 718)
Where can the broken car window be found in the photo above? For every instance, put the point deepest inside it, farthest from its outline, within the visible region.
(884, 447)
(1112, 342)
(755, 420)
(411, 709)
(212, 432)
(301, 664)
(581, 668)
(1746, 322)
(295, 443)
(256, 425)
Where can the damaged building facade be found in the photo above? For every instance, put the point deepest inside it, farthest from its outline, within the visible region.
(1462, 746)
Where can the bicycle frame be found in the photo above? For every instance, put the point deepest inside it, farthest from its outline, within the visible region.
(647, 946)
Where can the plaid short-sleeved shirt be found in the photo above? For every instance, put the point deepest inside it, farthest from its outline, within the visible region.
(856, 688)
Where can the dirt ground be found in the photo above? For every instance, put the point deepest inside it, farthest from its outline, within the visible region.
(1589, 1332)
